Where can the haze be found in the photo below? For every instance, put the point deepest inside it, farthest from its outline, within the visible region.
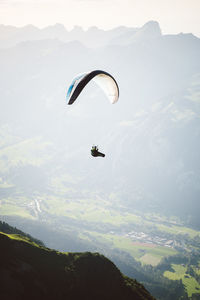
(174, 16)
(139, 205)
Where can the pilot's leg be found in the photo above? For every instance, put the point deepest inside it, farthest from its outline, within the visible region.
(101, 154)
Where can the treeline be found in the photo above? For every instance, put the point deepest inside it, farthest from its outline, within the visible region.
(191, 272)
(6, 228)
(187, 259)
(195, 297)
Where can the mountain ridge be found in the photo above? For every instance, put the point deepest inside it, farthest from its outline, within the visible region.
(34, 271)
(92, 37)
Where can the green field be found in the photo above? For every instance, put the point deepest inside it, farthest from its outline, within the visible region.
(179, 230)
(145, 253)
(191, 285)
(99, 214)
(14, 210)
(149, 259)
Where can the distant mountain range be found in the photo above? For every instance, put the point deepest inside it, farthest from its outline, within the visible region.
(93, 37)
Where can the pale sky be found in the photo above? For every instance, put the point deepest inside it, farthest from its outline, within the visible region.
(174, 16)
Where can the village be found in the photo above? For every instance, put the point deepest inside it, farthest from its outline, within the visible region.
(154, 240)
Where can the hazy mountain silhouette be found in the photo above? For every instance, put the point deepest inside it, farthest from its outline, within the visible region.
(93, 37)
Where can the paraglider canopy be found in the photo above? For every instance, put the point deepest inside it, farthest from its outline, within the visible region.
(102, 78)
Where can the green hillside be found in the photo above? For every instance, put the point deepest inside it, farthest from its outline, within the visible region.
(13, 231)
(36, 272)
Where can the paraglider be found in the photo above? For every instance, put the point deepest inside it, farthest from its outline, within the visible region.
(106, 82)
(95, 152)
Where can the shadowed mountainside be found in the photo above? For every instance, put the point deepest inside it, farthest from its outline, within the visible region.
(36, 272)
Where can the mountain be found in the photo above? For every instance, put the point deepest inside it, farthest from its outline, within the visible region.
(150, 30)
(36, 272)
(140, 204)
(93, 37)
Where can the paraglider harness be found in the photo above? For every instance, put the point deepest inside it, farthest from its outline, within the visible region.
(95, 152)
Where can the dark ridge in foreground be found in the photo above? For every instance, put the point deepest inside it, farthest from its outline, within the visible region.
(6, 228)
(31, 271)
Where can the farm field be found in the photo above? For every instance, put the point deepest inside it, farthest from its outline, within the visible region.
(145, 253)
(95, 217)
(191, 285)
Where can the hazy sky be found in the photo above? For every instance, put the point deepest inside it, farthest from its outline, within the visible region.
(174, 16)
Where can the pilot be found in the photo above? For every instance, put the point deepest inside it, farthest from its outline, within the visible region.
(95, 152)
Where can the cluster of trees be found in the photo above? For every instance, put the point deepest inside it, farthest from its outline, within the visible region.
(195, 297)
